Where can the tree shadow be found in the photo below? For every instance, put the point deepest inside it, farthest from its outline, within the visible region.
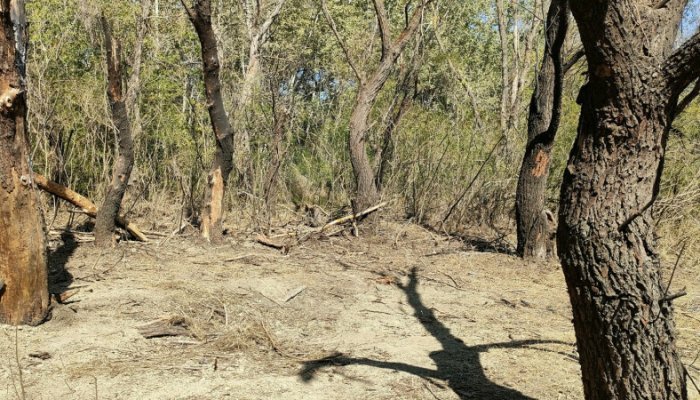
(457, 364)
(59, 277)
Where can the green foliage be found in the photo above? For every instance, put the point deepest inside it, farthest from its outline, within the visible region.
(440, 149)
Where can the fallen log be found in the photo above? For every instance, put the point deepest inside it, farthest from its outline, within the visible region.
(83, 203)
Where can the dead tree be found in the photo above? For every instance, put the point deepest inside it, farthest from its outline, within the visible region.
(24, 295)
(370, 83)
(105, 221)
(622, 308)
(222, 165)
(535, 223)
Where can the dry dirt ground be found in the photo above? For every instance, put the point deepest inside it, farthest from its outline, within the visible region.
(398, 314)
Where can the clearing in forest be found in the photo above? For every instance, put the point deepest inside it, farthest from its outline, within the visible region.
(402, 313)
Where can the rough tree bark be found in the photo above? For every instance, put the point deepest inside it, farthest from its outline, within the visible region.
(366, 191)
(24, 295)
(217, 180)
(534, 224)
(121, 171)
(623, 316)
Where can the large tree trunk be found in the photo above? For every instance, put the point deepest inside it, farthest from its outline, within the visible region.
(217, 180)
(534, 226)
(622, 308)
(24, 295)
(108, 213)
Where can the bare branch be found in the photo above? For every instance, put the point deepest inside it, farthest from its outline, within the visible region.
(683, 66)
(685, 102)
(573, 60)
(188, 10)
(462, 81)
(410, 28)
(341, 42)
(384, 28)
(265, 27)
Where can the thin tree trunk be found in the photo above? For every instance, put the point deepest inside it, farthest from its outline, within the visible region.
(366, 191)
(24, 295)
(107, 214)
(258, 35)
(281, 116)
(217, 180)
(505, 87)
(534, 226)
(622, 308)
(134, 84)
(406, 91)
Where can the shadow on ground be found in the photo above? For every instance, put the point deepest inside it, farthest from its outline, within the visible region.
(458, 365)
(59, 278)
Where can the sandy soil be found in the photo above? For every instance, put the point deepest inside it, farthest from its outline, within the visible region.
(401, 313)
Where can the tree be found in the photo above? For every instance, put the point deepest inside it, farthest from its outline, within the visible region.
(121, 171)
(24, 296)
(370, 83)
(222, 165)
(258, 32)
(623, 313)
(534, 221)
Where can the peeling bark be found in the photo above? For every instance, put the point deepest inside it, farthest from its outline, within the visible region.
(105, 221)
(222, 165)
(534, 231)
(24, 296)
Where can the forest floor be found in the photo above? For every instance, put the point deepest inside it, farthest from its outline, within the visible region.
(398, 314)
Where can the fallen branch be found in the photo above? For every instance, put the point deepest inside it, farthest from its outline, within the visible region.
(298, 237)
(354, 217)
(83, 203)
(264, 240)
(170, 326)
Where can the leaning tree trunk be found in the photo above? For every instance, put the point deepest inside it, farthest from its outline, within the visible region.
(367, 193)
(534, 225)
(24, 295)
(217, 180)
(621, 306)
(121, 171)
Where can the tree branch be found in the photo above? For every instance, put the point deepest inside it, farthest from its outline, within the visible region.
(384, 28)
(573, 60)
(265, 27)
(685, 102)
(341, 42)
(188, 10)
(410, 28)
(683, 66)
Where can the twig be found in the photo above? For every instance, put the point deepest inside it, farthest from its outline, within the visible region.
(294, 293)
(342, 44)
(673, 273)
(691, 379)
(19, 367)
(476, 176)
(670, 298)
